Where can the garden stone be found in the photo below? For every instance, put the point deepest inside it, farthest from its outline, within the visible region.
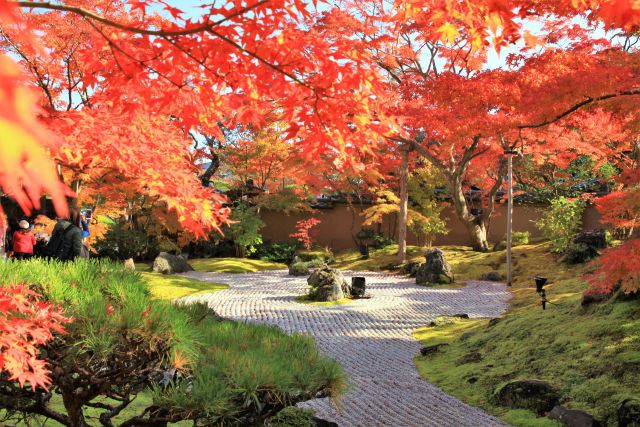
(492, 276)
(435, 270)
(473, 357)
(129, 264)
(493, 322)
(169, 264)
(572, 417)
(328, 284)
(535, 395)
(410, 268)
(629, 413)
(466, 336)
(430, 350)
(319, 422)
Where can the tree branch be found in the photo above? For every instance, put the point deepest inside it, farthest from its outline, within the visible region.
(161, 33)
(579, 105)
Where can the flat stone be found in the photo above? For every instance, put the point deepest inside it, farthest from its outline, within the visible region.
(430, 350)
(573, 417)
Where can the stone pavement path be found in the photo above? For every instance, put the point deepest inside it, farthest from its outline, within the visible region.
(371, 338)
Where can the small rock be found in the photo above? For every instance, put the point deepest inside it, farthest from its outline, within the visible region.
(166, 263)
(535, 395)
(461, 315)
(410, 268)
(129, 264)
(629, 413)
(436, 269)
(432, 349)
(493, 322)
(472, 380)
(473, 357)
(572, 417)
(319, 422)
(466, 336)
(492, 276)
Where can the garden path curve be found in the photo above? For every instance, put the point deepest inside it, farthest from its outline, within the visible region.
(371, 338)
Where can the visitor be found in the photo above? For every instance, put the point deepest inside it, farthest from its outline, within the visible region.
(23, 241)
(42, 237)
(3, 231)
(65, 243)
(84, 225)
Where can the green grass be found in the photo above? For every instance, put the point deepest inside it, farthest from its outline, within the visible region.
(304, 299)
(231, 363)
(170, 287)
(234, 265)
(167, 287)
(591, 355)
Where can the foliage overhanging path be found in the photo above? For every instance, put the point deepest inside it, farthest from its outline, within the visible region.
(371, 338)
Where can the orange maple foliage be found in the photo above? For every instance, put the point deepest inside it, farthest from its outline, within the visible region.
(26, 323)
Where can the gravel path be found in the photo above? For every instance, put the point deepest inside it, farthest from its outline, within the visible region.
(371, 338)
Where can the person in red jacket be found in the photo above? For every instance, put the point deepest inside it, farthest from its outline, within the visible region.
(23, 241)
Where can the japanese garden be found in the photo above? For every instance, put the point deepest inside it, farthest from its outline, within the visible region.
(290, 213)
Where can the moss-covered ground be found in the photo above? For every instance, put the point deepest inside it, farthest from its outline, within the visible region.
(591, 355)
(304, 299)
(234, 265)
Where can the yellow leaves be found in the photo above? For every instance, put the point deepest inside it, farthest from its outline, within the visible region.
(448, 33)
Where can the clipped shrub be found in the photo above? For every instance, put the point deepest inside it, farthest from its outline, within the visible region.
(299, 269)
(577, 253)
(381, 241)
(277, 252)
(292, 416)
(324, 254)
(120, 242)
(519, 238)
(191, 363)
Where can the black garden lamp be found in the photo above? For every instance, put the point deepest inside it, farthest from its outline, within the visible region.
(540, 282)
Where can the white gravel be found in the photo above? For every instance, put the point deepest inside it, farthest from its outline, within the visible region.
(371, 338)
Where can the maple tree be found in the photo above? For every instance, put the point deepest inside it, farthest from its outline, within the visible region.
(26, 322)
(305, 233)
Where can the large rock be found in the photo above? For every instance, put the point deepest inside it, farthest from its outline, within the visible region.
(629, 413)
(410, 268)
(328, 284)
(169, 264)
(537, 396)
(435, 270)
(129, 264)
(573, 417)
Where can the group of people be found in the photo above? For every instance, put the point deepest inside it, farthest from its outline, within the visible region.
(65, 242)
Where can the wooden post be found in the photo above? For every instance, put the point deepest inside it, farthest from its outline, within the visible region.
(404, 205)
(510, 154)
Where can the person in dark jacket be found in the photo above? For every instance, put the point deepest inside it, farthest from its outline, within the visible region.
(72, 242)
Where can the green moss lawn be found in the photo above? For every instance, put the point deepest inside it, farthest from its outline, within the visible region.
(234, 265)
(304, 299)
(591, 355)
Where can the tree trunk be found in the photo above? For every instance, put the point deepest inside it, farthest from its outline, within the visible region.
(74, 410)
(476, 225)
(404, 205)
(478, 234)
